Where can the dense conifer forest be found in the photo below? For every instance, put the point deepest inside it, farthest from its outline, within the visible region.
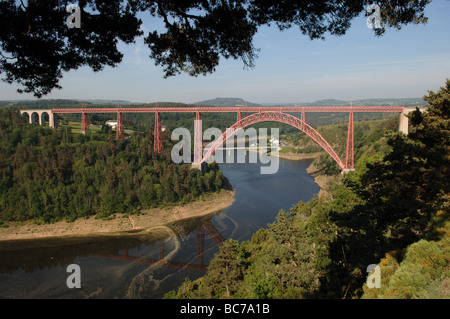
(49, 175)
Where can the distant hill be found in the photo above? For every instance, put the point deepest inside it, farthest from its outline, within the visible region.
(369, 102)
(227, 101)
(215, 102)
(327, 102)
(391, 102)
(39, 103)
(115, 102)
(362, 102)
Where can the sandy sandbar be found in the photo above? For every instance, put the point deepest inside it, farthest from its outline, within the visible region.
(118, 223)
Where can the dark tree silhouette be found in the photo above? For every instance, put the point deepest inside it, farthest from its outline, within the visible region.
(37, 46)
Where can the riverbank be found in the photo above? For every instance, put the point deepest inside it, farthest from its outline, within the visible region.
(324, 181)
(118, 224)
(298, 156)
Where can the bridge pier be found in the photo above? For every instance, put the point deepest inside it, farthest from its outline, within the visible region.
(302, 119)
(349, 158)
(239, 118)
(84, 123)
(198, 138)
(157, 135)
(404, 120)
(120, 132)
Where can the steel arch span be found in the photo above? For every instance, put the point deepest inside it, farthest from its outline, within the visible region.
(276, 117)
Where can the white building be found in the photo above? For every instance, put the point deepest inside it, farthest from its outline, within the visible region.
(274, 141)
(112, 123)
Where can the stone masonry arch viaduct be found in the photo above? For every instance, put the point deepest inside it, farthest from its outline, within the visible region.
(40, 114)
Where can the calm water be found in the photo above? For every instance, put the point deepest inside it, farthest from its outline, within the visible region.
(147, 266)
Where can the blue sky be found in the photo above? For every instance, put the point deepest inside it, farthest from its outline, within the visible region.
(290, 68)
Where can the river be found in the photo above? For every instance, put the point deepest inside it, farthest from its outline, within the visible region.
(151, 265)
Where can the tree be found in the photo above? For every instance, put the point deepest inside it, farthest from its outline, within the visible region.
(409, 186)
(37, 45)
(404, 196)
(225, 272)
(218, 181)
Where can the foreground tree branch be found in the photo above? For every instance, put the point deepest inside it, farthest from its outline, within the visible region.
(198, 32)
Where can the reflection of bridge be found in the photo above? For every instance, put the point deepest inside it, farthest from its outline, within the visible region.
(200, 239)
(257, 114)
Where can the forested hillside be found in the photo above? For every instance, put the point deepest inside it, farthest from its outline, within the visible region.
(51, 174)
(392, 211)
(369, 140)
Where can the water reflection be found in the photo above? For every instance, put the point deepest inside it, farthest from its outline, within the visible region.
(130, 266)
(150, 263)
(162, 259)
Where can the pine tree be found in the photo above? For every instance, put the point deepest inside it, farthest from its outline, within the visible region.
(225, 271)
